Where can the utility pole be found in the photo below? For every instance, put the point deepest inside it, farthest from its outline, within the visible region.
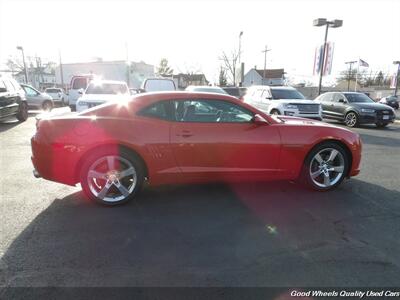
(397, 76)
(265, 62)
(61, 70)
(350, 63)
(128, 79)
(23, 59)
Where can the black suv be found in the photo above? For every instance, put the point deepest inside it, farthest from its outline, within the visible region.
(354, 109)
(12, 100)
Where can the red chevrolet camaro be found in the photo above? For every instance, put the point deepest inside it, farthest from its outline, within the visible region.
(183, 137)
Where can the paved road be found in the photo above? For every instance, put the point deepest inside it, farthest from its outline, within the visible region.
(275, 234)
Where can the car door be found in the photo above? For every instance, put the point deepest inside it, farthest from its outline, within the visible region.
(33, 97)
(265, 101)
(327, 104)
(217, 140)
(340, 106)
(8, 100)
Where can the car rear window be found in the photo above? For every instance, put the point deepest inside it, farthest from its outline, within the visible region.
(53, 90)
(79, 83)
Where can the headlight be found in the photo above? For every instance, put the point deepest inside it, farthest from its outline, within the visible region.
(83, 103)
(290, 106)
(367, 110)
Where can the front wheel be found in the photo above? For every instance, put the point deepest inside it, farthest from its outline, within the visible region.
(22, 114)
(351, 119)
(325, 167)
(47, 106)
(112, 176)
(381, 125)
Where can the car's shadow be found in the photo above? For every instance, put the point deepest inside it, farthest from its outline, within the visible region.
(274, 234)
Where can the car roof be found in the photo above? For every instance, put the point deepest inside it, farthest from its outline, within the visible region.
(110, 81)
(272, 87)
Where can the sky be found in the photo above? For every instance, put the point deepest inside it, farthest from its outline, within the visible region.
(192, 34)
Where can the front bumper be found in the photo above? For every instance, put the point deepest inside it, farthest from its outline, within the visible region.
(369, 118)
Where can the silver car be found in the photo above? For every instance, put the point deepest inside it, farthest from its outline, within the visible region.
(37, 99)
(57, 94)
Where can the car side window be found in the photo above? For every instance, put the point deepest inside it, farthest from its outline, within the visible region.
(265, 95)
(210, 111)
(30, 92)
(159, 110)
(337, 97)
(326, 97)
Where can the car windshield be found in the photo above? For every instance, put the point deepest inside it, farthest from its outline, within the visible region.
(286, 94)
(106, 88)
(358, 98)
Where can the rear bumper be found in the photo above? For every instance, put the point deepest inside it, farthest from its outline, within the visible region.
(53, 162)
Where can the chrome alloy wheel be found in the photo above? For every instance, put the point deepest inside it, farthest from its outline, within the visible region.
(327, 167)
(351, 119)
(111, 178)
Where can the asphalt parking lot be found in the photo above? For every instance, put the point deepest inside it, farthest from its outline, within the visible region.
(270, 234)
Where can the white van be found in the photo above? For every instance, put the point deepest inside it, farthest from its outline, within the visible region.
(78, 84)
(158, 85)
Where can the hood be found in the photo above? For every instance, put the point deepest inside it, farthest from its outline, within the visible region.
(303, 121)
(296, 101)
(103, 97)
(376, 106)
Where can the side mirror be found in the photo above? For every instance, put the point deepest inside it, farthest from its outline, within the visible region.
(268, 98)
(259, 120)
(80, 91)
(341, 101)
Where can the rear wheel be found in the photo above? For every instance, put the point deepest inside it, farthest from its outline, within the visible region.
(325, 166)
(351, 119)
(22, 114)
(47, 106)
(112, 176)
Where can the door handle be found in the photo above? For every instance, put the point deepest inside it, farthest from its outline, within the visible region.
(185, 134)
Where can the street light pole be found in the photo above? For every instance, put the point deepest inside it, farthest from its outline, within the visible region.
(397, 76)
(240, 50)
(350, 63)
(23, 59)
(333, 24)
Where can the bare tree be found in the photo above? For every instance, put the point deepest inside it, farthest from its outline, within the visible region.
(164, 69)
(222, 77)
(230, 64)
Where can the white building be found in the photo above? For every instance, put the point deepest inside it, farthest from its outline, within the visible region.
(109, 70)
(256, 77)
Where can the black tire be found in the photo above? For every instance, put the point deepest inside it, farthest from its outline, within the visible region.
(381, 125)
(47, 105)
(275, 112)
(306, 177)
(91, 159)
(351, 119)
(22, 114)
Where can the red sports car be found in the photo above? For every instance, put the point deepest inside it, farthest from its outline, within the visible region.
(182, 137)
